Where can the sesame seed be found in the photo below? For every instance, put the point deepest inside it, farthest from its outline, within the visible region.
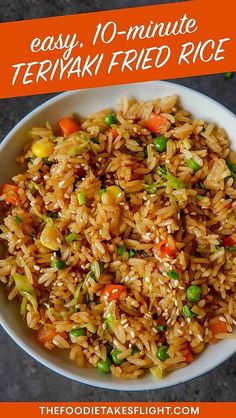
(222, 318)
(125, 326)
(36, 267)
(132, 334)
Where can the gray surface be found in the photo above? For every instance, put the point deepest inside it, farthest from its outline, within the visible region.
(22, 378)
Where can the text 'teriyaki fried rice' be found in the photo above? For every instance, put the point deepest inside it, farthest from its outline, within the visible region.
(118, 237)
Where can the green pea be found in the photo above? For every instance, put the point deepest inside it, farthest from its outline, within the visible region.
(18, 220)
(59, 264)
(121, 250)
(162, 353)
(193, 165)
(188, 313)
(104, 365)
(114, 357)
(160, 143)
(110, 119)
(193, 293)
(228, 75)
(77, 332)
(152, 189)
(172, 274)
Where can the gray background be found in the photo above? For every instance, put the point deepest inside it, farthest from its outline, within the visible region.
(22, 378)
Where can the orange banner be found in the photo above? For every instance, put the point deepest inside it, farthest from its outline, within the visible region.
(121, 409)
(116, 47)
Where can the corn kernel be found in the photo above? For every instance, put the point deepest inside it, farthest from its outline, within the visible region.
(113, 194)
(157, 371)
(43, 148)
(51, 238)
(199, 348)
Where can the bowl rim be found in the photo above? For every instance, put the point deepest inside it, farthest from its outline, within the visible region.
(95, 382)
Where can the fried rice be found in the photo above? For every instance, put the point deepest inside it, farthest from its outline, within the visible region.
(118, 237)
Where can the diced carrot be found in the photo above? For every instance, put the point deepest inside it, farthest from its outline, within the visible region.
(68, 126)
(114, 132)
(228, 241)
(11, 194)
(46, 335)
(157, 124)
(162, 249)
(188, 356)
(113, 291)
(187, 353)
(218, 327)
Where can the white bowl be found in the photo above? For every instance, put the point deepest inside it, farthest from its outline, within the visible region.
(85, 102)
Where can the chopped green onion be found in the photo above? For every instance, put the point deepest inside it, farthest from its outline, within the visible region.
(104, 365)
(172, 274)
(95, 140)
(188, 313)
(59, 264)
(152, 189)
(101, 191)
(18, 220)
(231, 248)
(201, 185)
(228, 75)
(87, 298)
(175, 182)
(72, 237)
(193, 165)
(161, 328)
(145, 153)
(31, 160)
(121, 250)
(110, 119)
(162, 170)
(96, 269)
(231, 166)
(160, 143)
(135, 350)
(77, 332)
(132, 252)
(114, 357)
(109, 321)
(199, 197)
(23, 306)
(81, 198)
(53, 215)
(48, 162)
